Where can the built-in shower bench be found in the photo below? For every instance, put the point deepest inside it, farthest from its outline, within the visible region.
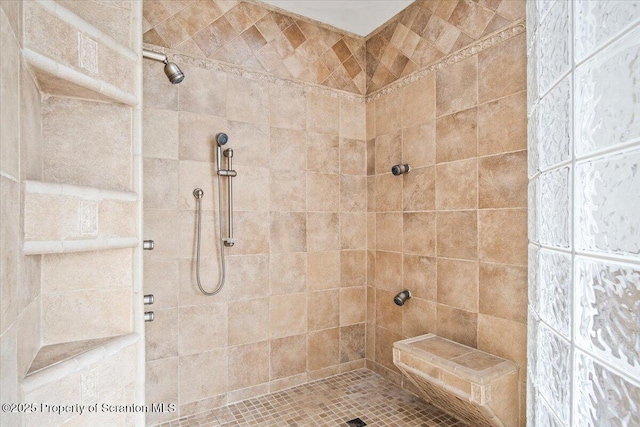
(471, 385)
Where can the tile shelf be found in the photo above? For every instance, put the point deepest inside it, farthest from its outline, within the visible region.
(74, 58)
(78, 218)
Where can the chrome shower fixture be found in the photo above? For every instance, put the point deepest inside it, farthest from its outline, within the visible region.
(402, 297)
(173, 72)
(398, 170)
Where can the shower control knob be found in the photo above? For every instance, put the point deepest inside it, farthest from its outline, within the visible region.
(148, 316)
(148, 245)
(400, 169)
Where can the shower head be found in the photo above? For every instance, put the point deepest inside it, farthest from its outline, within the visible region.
(172, 71)
(222, 138)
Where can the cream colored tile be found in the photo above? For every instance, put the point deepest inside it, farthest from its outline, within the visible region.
(388, 151)
(247, 100)
(323, 114)
(389, 232)
(247, 276)
(164, 228)
(161, 335)
(353, 157)
(251, 231)
(251, 189)
(161, 278)
(352, 119)
(419, 233)
(197, 383)
(388, 113)
(160, 183)
(458, 284)
(419, 101)
(197, 336)
(208, 99)
(323, 231)
(352, 305)
(287, 315)
(323, 270)
(288, 232)
(160, 133)
(353, 193)
(287, 273)
(457, 185)
(161, 386)
(197, 136)
(288, 149)
(248, 321)
(323, 349)
(323, 309)
(200, 175)
(353, 230)
(288, 190)
(287, 106)
(353, 268)
(288, 356)
(323, 153)
(251, 144)
(254, 355)
(323, 192)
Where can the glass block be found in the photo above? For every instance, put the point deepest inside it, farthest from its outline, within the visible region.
(607, 197)
(532, 207)
(531, 403)
(554, 374)
(554, 125)
(607, 104)
(534, 278)
(532, 76)
(543, 7)
(597, 21)
(555, 217)
(553, 45)
(532, 347)
(531, 15)
(555, 284)
(602, 397)
(533, 144)
(607, 314)
(545, 416)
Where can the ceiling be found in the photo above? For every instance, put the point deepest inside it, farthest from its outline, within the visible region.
(356, 16)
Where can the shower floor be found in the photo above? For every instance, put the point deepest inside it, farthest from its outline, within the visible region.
(329, 402)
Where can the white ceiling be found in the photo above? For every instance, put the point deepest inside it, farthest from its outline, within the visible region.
(356, 16)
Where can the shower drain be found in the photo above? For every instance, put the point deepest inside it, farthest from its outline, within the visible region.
(356, 422)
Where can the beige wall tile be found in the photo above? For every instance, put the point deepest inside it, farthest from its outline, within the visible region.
(503, 291)
(353, 193)
(419, 145)
(247, 100)
(248, 321)
(388, 193)
(323, 192)
(352, 342)
(503, 236)
(458, 284)
(388, 113)
(160, 183)
(251, 189)
(160, 279)
(389, 232)
(419, 233)
(457, 185)
(388, 314)
(322, 114)
(196, 336)
(419, 101)
(28, 332)
(30, 127)
(457, 234)
(287, 106)
(502, 124)
(9, 249)
(161, 386)
(419, 276)
(418, 317)
(371, 157)
(323, 153)
(352, 119)
(161, 335)
(456, 136)
(251, 230)
(251, 143)
(288, 232)
(502, 69)
(209, 99)
(10, 103)
(248, 276)
(457, 325)
(457, 86)
(288, 356)
(353, 157)
(491, 333)
(197, 136)
(384, 347)
(156, 92)
(353, 230)
(371, 120)
(287, 273)
(502, 181)
(323, 270)
(163, 227)
(323, 231)
(248, 365)
(288, 149)
(288, 190)
(323, 349)
(418, 191)
(197, 383)
(287, 315)
(388, 151)
(160, 137)
(323, 309)
(353, 268)
(388, 269)
(352, 305)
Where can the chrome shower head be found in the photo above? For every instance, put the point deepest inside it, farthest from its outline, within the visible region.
(173, 72)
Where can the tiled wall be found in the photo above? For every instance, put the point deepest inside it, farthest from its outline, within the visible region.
(452, 230)
(258, 38)
(293, 307)
(19, 160)
(583, 185)
(429, 30)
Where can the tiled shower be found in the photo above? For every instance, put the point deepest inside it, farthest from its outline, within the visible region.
(325, 234)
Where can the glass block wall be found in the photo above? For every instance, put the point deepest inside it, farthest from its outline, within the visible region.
(584, 213)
